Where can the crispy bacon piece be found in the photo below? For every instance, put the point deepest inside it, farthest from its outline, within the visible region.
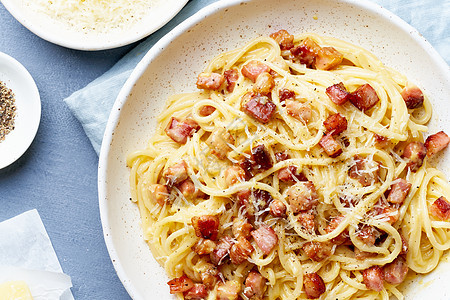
(209, 274)
(283, 155)
(395, 272)
(206, 110)
(231, 77)
(210, 81)
(436, 142)
(338, 93)
(277, 209)
(313, 285)
(255, 286)
(386, 213)
(328, 58)
(380, 141)
(286, 94)
(318, 251)
(179, 131)
(229, 290)
(244, 200)
(299, 111)
(159, 193)
(368, 234)
(335, 124)
(364, 97)
(204, 246)
(306, 220)
(290, 174)
(187, 188)
(176, 174)
(253, 200)
(261, 158)
(405, 246)
(343, 237)
(302, 196)
(366, 172)
(253, 68)
(440, 209)
(197, 292)
(206, 226)
(284, 39)
(399, 191)
(219, 142)
(306, 52)
(415, 153)
(266, 238)
(222, 250)
(413, 96)
(373, 278)
(264, 84)
(180, 285)
(234, 174)
(240, 251)
(330, 145)
(259, 107)
(241, 228)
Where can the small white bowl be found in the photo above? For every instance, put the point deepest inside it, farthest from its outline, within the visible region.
(28, 109)
(60, 33)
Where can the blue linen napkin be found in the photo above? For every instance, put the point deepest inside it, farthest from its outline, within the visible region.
(92, 104)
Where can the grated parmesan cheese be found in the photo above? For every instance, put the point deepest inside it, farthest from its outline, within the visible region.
(94, 15)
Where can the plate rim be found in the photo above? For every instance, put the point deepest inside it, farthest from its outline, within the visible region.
(157, 49)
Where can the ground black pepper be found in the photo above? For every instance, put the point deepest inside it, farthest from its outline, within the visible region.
(7, 111)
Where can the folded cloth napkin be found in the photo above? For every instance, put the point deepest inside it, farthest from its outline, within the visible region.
(92, 104)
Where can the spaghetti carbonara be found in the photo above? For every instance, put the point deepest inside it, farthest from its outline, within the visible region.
(298, 170)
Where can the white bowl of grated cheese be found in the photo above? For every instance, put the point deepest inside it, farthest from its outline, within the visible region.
(93, 24)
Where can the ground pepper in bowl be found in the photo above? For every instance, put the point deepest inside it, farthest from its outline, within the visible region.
(7, 111)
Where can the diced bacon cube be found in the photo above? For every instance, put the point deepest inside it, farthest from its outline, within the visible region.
(266, 238)
(338, 93)
(415, 152)
(405, 246)
(231, 77)
(187, 188)
(366, 172)
(306, 220)
(219, 142)
(284, 39)
(440, 209)
(318, 251)
(343, 237)
(290, 174)
(176, 173)
(204, 246)
(330, 145)
(234, 174)
(373, 278)
(386, 213)
(255, 286)
(277, 209)
(413, 96)
(198, 292)
(208, 273)
(395, 272)
(159, 193)
(436, 142)
(302, 196)
(206, 226)
(283, 155)
(259, 107)
(179, 131)
(286, 94)
(210, 81)
(240, 251)
(328, 58)
(306, 52)
(261, 158)
(313, 285)
(300, 111)
(180, 285)
(380, 141)
(253, 68)
(364, 97)
(368, 234)
(222, 250)
(229, 290)
(335, 124)
(399, 191)
(264, 84)
(206, 110)
(241, 228)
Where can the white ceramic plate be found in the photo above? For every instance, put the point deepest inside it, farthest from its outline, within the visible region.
(171, 67)
(60, 33)
(28, 109)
